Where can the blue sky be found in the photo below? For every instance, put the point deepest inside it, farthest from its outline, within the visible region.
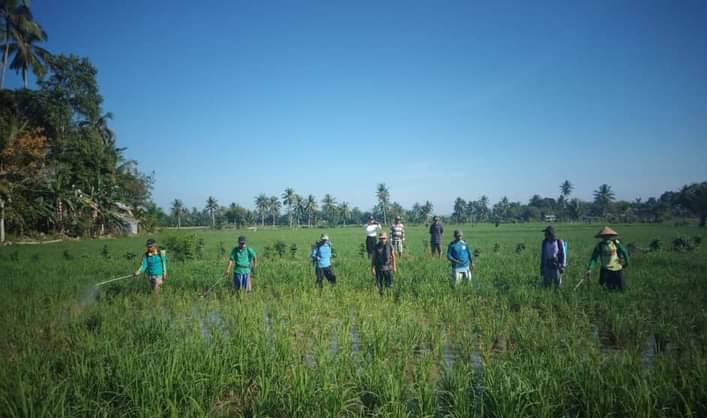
(437, 99)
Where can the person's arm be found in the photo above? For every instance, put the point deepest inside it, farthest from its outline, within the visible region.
(595, 256)
(402, 233)
(561, 256)
(542, 255)
(623, 254)
(373, 264)
(450, 255)
(471, 258)
(229, 266)
(143, 266)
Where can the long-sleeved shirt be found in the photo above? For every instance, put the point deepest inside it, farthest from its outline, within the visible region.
(436, 232)
(459, 254)
(321, 254)
(552, 254)
(397, 232)
(611, 254)
(153, 264)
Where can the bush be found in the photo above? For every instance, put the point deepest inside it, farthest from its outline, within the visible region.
(185, 247)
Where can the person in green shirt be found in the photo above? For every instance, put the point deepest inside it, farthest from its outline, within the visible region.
(613, 259)
(154, 265)
(243, 262)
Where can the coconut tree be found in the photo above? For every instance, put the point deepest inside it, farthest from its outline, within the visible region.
(212, 207)
(459, 214)
(26, 55)
(329, 207)
(383, 196)
(288, 199)
(311, 208)
(566, 189)
(603, 197)
(177, 209)
(274, 207)
(262, 202)
(345, 211)
(15, 19)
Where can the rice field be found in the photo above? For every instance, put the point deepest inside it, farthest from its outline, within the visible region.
(502, 346)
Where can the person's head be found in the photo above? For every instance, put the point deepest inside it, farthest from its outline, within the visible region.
(458, 235)
(397, 219)
(371, 220)
(383, 237)
(324, 238)
(606, 233)
(435, 219)
(549, 233)
(151, 245)
(241, 241)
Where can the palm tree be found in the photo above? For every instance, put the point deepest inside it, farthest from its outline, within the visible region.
(575, 208)
(177, 209)
(311, 208)
(383, 196)
(288, 199)
(261, 205)
(483, 208)
(345, 211)
(274, 206)
(328, 207)
(300, 209)
(603, 197)
(566, 189)
(459, 210)
(212, 206)
(15, 18)
(27, 55)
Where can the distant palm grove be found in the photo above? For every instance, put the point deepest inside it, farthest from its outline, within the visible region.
(62, 172)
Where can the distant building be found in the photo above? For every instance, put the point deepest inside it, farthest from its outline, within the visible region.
(550, 218)
(130, 224)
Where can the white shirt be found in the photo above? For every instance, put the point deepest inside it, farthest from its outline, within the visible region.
(372, 230)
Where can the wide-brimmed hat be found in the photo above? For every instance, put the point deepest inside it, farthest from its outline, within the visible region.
(324, 237)
(606, 232)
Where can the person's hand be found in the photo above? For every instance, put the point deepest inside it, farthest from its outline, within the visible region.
(164, 276)
(373, 271)
(395, 269)
(137, 273)
(225, 273)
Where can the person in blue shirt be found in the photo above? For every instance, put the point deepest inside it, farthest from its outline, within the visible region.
(459, 255)
(154, 265)
(321, 257)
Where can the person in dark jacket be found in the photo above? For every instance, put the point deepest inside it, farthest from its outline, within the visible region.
(436, 231)
(383, 263)
(552, 259)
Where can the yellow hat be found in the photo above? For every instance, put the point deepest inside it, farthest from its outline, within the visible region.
(606, 232)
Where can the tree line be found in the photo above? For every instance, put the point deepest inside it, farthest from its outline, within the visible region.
(295, 210)
(61, 170)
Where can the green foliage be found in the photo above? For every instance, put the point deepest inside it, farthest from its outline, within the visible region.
(501, 346)
(185, 247)
(280, 248)
(293, 250)
(105, 253)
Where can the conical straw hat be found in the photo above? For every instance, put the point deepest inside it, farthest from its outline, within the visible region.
(606, 232)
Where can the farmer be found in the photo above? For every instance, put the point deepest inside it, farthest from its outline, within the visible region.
(459, 254)
(154, 265)
(397, 236)
(383, 263)
(321, 256)
(613, 258)
(243, 258)
(372, 229)
(436, 231)
(552, 259)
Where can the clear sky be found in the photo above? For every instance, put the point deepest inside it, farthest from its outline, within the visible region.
(437, 99)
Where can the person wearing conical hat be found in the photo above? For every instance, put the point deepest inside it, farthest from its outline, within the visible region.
(613, 259)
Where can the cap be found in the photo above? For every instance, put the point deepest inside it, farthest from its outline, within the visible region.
(458, 233)
(241, 239)
(150, 243)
